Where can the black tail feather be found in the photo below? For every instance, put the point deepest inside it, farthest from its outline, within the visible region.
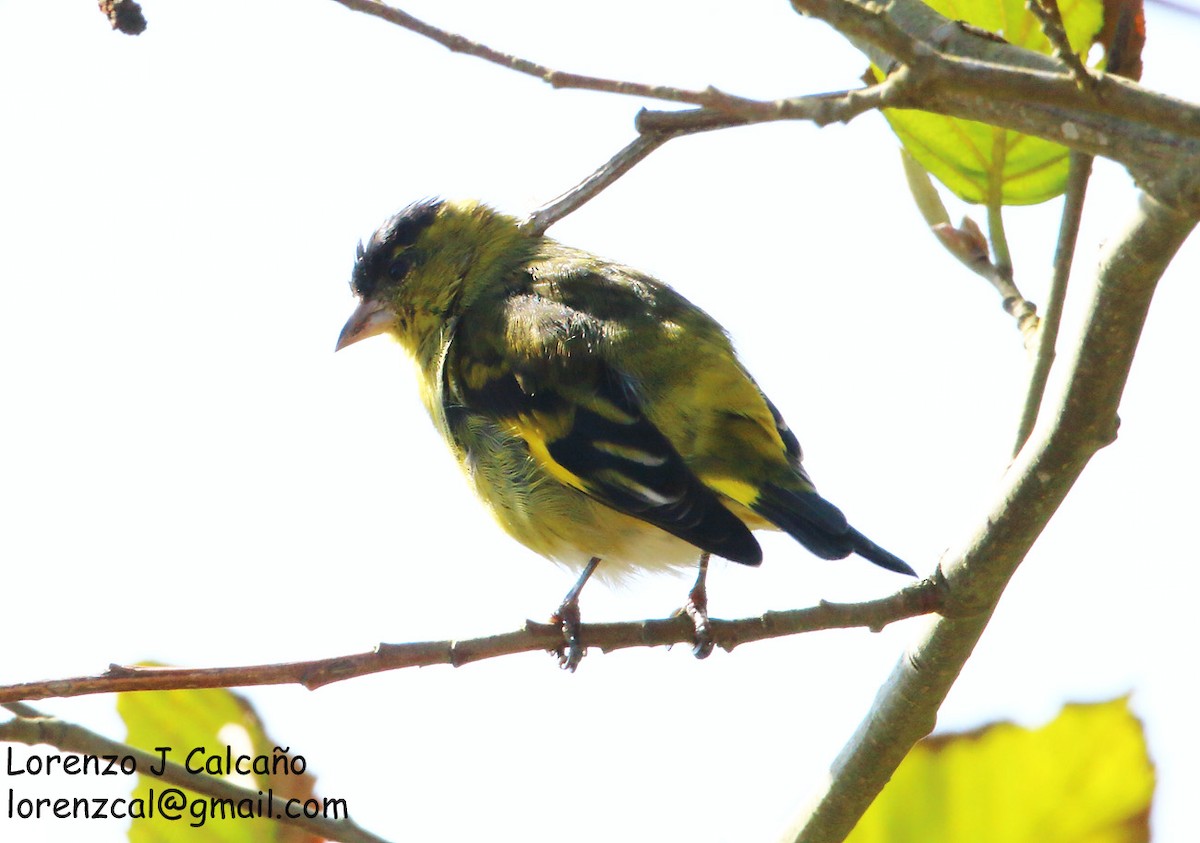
(872, 552)
(821, 527)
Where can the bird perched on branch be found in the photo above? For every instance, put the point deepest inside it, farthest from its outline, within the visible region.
(603, 418)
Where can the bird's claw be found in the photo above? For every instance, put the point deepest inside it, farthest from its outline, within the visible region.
(571, 651)
(697, 610)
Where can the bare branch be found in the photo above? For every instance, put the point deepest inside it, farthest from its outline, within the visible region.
(1011, 299)
(1000, 270)
(717, 108)
(936, 65)
(917, 599)
(1084, 421)
(557, 78)
(821, 109)
(1047, 335)
(589, 188)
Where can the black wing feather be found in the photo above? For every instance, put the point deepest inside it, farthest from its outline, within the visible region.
(631, 467)
(623, 460)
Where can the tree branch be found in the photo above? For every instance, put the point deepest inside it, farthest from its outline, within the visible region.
(1000, 273)
(1084, 421)
(589, 188)
(1047, 334)
(556, 78)
(821, 109)
(943, 68)
(969, 246)
(960, 74)
(919, 598)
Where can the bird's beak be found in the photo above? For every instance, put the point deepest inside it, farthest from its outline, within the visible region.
(371, 317)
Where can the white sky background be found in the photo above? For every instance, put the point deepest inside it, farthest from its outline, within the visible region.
(189, 474)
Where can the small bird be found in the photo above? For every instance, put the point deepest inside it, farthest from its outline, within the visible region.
(602, 417)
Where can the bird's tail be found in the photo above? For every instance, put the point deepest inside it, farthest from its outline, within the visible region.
(872, 552)
(821, 527)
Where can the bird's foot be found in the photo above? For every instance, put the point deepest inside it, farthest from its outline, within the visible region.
(571, 651)
(696, 608)
(567, 618)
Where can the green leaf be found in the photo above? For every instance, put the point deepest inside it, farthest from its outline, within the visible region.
(978, 161)
(210, 720)
(1083, 778)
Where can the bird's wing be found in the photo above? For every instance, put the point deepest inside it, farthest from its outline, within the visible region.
(680, 370)
(538, 366)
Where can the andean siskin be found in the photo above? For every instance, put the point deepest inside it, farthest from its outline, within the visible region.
(604, 419)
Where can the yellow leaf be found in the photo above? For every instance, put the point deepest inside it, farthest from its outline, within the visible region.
(203, 724)
(1085, 777)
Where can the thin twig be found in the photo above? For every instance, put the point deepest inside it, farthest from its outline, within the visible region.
(1050, 19)
(967, 243)
(895, 91)
(556, 78)
(717, 108)
(1015, 304)
(589, 188)
(937, 68)
(32, 727)
(658, 127)
(919, 598)
(1047, 336)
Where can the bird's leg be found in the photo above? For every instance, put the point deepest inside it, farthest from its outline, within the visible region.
(567, 617)
(696, 608)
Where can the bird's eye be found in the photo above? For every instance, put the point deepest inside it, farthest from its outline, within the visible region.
(399, 267)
